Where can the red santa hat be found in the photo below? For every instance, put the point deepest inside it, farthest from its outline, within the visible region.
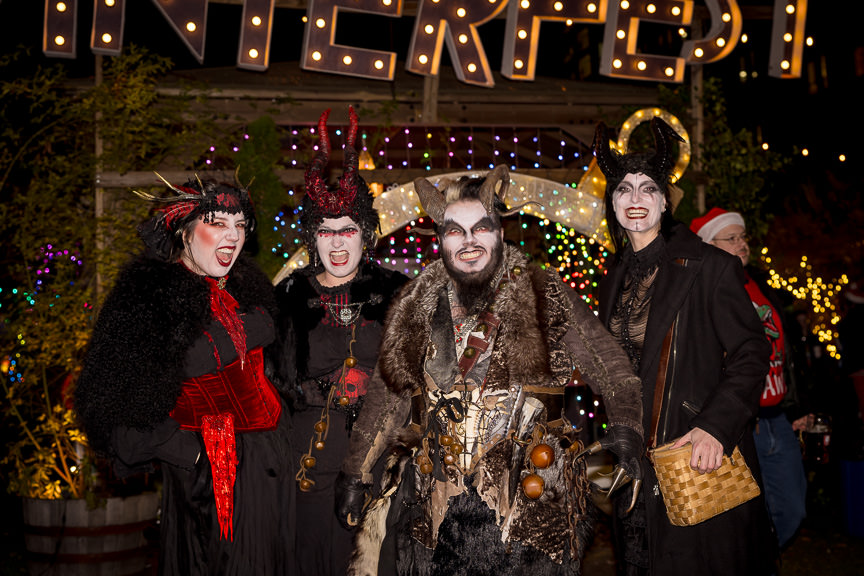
(713, 221)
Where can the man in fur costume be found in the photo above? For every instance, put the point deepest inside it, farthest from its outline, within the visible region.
(484, 479)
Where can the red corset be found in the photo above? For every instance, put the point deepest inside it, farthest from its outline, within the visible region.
(245, 393)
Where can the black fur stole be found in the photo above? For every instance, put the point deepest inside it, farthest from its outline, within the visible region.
(133, 370)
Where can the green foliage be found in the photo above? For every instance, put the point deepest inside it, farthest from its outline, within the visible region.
(59, 255)
(257, 161)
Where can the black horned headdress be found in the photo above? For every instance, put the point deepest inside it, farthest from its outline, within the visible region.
(349, 197)
(197, 198)
(657, 165)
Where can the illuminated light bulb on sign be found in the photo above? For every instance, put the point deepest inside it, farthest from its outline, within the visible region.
(320, 40)
(523, 25)
(787, 39)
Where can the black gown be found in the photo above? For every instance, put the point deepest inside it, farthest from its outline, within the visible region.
(323, 545)
(131, 363)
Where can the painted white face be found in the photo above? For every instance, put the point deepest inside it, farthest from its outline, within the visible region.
(733, 239)
(469, 237)
(339, 242)
(639, 204)
(213, 247)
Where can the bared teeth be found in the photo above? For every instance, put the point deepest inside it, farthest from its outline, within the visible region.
(470, 255)
(339, 257)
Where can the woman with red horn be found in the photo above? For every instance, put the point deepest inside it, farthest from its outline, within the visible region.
(331, 316)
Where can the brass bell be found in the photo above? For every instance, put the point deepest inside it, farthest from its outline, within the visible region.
(445, 440)
(532, 486)
(542, 456)
(321, 426)
(309, 461)
(344, 400)
(350, 361)
(319, 445)
(306, 485)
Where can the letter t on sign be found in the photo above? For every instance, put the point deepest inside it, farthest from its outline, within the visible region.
(619, 58)
(321, 54)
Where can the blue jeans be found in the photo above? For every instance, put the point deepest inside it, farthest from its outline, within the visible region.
(782, 473)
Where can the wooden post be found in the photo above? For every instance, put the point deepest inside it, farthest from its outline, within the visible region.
(698, 133)
(99, 192)
(430, 99)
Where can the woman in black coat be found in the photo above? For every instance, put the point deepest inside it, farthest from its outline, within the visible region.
(664, 280)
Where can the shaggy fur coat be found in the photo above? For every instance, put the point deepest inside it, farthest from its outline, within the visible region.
(544, 334)
(133, 371)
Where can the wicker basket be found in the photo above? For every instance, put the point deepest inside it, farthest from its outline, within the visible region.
(691, 497)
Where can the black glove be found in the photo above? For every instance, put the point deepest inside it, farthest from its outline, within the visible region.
(352, 496)
(626, 444)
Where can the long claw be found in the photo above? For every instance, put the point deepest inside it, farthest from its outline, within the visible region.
(636, 485)
(592, 448)
(619, 479)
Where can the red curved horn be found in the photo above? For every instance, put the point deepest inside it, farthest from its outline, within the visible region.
(350, 165)
(316, 185)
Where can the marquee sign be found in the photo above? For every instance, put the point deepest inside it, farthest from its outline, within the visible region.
(454, 23)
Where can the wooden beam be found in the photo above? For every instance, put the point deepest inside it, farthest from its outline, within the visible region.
(294, 177)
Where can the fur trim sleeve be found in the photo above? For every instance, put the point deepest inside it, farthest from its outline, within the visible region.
(603, 364)
(384, 416)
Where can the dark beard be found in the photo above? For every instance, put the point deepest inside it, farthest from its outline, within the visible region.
(474, 290)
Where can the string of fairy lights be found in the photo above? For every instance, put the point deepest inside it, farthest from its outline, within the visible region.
(821, 296)
(43, 287)
(579, 259)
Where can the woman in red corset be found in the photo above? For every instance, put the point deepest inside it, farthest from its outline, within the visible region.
(175, 376)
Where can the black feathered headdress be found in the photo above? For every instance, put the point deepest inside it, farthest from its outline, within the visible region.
(162, 233)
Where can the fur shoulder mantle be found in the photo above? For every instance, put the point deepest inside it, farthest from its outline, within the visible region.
(132, 371)
(524, 306)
